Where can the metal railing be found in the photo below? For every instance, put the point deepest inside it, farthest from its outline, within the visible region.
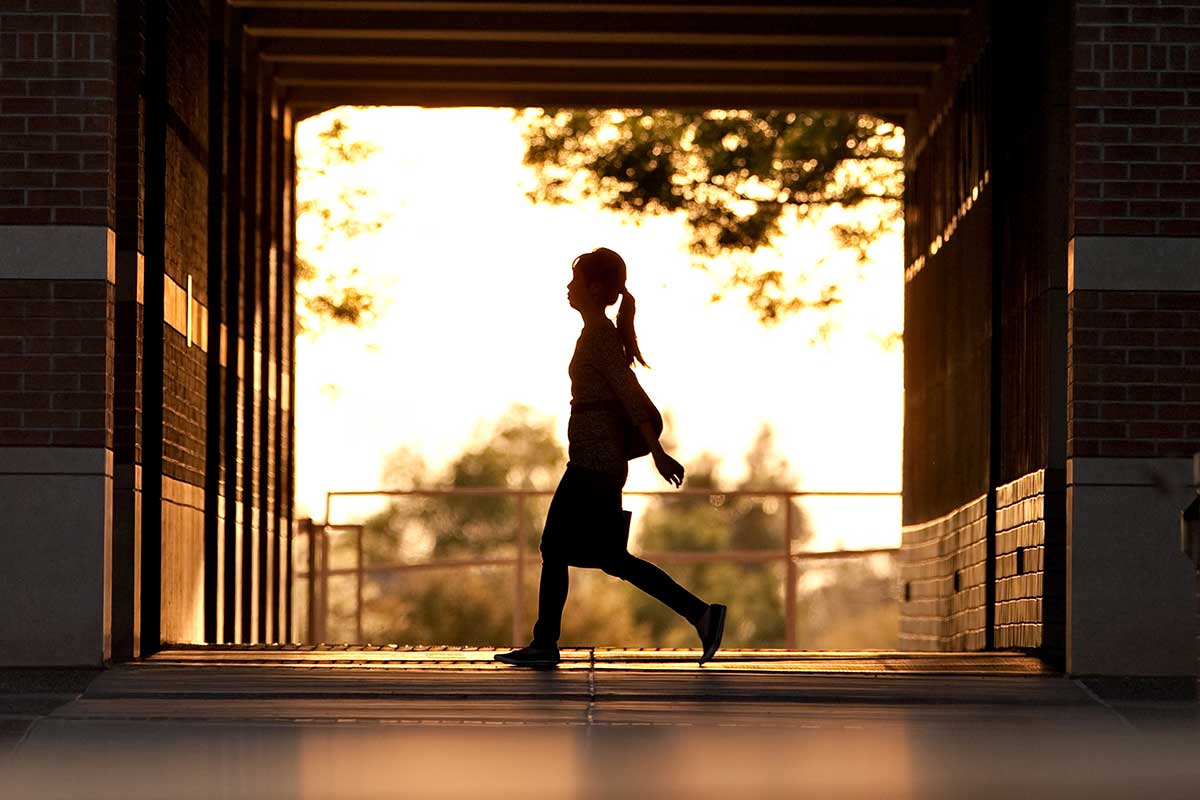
(317, 572)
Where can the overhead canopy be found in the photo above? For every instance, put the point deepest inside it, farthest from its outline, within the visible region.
(872, 55)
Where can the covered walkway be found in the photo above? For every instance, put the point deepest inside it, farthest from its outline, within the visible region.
(444, 722)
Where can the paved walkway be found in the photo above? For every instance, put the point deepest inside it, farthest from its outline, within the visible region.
(447, 721)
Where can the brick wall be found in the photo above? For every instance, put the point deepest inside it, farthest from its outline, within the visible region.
(1027, 602)
(56, 112)
(56, 363)
(112, 120)
(185, 258)
(183, 409)
(1137, 119)
(1134, 379)
(56, 167)
(1134, 307)
(947, 354)
(943, 575)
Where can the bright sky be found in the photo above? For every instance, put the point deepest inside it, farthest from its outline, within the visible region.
(473, 276)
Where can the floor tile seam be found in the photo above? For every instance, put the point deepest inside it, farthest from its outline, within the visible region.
(74, 696)
(475, 722)
(881, 665)
(402, 696)
(1105, 704)
(619, 667)
(595, 699)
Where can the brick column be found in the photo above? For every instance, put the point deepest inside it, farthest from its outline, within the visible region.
(129, 320)
(56, 330)
(1134, 338)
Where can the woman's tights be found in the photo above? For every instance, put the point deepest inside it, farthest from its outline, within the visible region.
(552, 593)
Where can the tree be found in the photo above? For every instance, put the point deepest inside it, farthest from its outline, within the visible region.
(330, 209)
(851, 605)
(738, 176)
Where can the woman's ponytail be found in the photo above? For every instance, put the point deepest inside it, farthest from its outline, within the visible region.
(605, 267)
(625, 314)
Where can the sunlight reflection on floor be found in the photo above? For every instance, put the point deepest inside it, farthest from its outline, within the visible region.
(139, 760)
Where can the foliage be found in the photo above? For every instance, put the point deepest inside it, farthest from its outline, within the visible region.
(473, 606)
(461, 606)
(326, 296)
(737, 176)
(854, 607)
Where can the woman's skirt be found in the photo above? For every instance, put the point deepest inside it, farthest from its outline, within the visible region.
(586, 526)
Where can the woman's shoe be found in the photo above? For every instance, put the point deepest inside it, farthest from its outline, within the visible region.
(531, 656)
(711, 626)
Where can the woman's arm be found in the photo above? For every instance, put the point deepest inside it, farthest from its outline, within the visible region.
(668, 467)
(609, 358)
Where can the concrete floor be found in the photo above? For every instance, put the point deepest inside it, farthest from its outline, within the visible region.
(364, 722)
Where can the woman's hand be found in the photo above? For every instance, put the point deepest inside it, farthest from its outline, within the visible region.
(668, 467)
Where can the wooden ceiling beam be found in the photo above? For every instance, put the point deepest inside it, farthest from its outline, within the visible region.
(649, 29)
(823, 81)
(763, 56)
(890, 104)
(953, 8)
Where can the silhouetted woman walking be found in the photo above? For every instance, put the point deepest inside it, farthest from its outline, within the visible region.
(612, 420)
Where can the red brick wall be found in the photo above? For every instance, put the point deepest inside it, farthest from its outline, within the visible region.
(1026, 601)
(56, 104)
(186, 235)
(942, 568)
(1134, 381)
(1137, 117)
(74, 137)
(184, 409)
(56, 363)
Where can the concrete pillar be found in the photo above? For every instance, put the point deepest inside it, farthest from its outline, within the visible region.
(1134, 419)
(56, 458)
(57, 274)
(1133, 367)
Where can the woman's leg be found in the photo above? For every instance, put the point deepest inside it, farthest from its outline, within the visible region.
(658, 584)
(552, 596)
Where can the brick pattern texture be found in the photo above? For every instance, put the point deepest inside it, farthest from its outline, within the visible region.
(1137, 118)
(1133, 374)
(943, 571)
(184, 409)
(1020, 561)
(56, 363)
(56, 112)
(186, 236)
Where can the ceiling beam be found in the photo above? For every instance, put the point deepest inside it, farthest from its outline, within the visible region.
(647, 29)
(358, 60)
(621, 96)
(627, 7)
(603, 75)
(769, 56)
(873, 55)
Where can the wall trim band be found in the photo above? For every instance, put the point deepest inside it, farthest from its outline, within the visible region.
(1134, 263)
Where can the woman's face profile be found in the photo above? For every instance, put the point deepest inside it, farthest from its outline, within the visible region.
(578, 296)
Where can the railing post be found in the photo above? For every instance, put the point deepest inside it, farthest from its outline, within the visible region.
(306, 525)
(518, 630)
(323, 618)
(358, 587)
(789, 589)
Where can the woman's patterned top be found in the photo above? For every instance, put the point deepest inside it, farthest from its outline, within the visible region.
(601, 385)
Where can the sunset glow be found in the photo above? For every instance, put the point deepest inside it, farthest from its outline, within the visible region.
(474, 318)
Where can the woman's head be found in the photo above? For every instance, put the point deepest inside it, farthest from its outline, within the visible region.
(598, 278)
(600, 274)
